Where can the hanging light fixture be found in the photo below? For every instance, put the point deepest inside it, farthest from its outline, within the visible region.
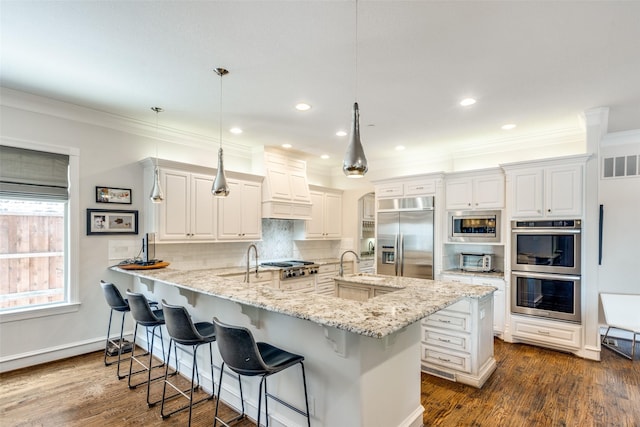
(354, 164)
(220, 187)
(156, 195)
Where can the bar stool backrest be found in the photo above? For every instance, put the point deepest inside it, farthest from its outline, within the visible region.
(114, 297)
(180, 326)
(141, 310)
(239, 350)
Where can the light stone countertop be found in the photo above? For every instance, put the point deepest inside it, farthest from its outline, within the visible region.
(378, 317)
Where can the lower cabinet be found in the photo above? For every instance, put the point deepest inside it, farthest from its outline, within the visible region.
(358, 292)
(457, 342)
(499, 299)
(548, 333)
(326, 272)
(305, 284)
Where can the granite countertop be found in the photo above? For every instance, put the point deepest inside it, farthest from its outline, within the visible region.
(378, 317)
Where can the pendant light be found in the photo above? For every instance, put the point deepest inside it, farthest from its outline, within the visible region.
(156, 195)
(354, 164)
(220, 187)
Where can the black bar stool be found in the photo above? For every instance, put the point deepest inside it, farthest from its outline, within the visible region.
(183, 331)
(152, 321)
(244, 356)
(117, 303)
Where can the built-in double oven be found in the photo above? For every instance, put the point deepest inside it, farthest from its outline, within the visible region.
(546, 268)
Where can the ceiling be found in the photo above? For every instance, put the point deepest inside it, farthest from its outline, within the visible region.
(536, 64)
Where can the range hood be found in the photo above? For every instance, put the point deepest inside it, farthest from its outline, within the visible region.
(285, 190)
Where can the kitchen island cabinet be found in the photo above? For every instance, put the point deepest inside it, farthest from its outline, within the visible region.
(362, 358)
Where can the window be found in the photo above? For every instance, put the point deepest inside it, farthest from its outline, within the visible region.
(36, 241)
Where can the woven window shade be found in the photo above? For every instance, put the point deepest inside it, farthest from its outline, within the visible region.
(30, 173)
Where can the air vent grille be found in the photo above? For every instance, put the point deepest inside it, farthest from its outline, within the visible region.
(439, 373)
(621, 166)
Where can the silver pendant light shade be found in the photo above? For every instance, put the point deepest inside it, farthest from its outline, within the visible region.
(220, 187)
(156, 195)
(354, 164)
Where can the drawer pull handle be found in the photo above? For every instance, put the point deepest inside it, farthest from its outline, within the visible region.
(443, 340)
(444, 321)
(543, 332)
(444, 360)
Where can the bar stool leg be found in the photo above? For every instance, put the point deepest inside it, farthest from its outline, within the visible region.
(237, 418)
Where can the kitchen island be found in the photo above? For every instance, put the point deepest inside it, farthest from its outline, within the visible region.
(362, 357)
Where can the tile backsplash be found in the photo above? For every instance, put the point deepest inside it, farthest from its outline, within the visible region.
(277, 244)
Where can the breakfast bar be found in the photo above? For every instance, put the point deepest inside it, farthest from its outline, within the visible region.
(362, 357)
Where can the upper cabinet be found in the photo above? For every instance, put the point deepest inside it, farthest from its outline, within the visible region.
(480, 190)
(191, 213)
(188, 212)
(326, 215)
(285, 194)
(239, 214)
(368, 207)
(551, 189)
(406, 187)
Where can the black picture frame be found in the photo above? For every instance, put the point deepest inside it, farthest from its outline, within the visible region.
(113, 195)
(111, 221)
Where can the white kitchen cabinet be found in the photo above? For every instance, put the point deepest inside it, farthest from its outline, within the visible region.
(547, 333)
(368, 207)
(457, 342)
(188, 212)
(305, 285)
(546, 189)
(326, 273)
(417, 186)
(366, 266)
(499, 299)
(326, 216)
(475, 192)
(239, 214)
(358, 291)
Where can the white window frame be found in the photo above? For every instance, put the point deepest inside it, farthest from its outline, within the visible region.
(72, 242)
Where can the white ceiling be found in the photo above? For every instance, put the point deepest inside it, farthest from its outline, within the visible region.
(538, 64)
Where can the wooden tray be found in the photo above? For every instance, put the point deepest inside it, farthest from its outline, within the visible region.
(161, 264)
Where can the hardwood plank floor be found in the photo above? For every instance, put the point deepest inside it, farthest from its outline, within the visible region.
(531, 387)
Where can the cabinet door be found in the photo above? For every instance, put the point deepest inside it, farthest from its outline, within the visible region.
(315, 226)
(488, 192)
(458, 194)
(174, 212)
(563, 191)
(239, 213)
(333, 215)
(369, 208)
(279, 182)
(499, 301)
(203, 212)
(252, 210)
(527, 194)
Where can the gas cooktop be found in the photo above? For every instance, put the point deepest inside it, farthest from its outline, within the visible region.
(293, 268)
(288, 263)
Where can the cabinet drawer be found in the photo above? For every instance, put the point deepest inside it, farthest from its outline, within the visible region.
(453, 360)
(391, 190)
(449, 320)
(298, 285)
(418, 188)
(556, 334)
(460, 342)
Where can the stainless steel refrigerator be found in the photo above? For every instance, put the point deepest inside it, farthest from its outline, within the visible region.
(405, 237)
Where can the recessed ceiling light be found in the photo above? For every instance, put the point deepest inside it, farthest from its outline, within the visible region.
(399, 147)
(286, 145)
(303, 107)
(236, 131)
(508, 126)
(341, 133)
(467, 101)
(324, 156)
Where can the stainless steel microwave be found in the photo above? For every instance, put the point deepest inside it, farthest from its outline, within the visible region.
(474, 226)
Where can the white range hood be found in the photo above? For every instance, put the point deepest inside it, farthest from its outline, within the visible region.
(285, 190)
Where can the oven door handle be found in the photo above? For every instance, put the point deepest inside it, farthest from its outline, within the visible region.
(545, 275)
(544, 231)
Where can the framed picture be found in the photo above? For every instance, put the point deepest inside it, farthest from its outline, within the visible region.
(113, 195)
(107, 221)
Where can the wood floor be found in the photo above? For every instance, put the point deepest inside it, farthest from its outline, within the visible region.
(531, 387)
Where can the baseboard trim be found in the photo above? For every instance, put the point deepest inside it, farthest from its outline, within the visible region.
(37, 357)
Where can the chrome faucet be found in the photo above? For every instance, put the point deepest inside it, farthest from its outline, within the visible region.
(341, 272)
(246, 274)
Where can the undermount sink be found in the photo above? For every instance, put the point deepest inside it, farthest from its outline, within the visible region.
(369, 277)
